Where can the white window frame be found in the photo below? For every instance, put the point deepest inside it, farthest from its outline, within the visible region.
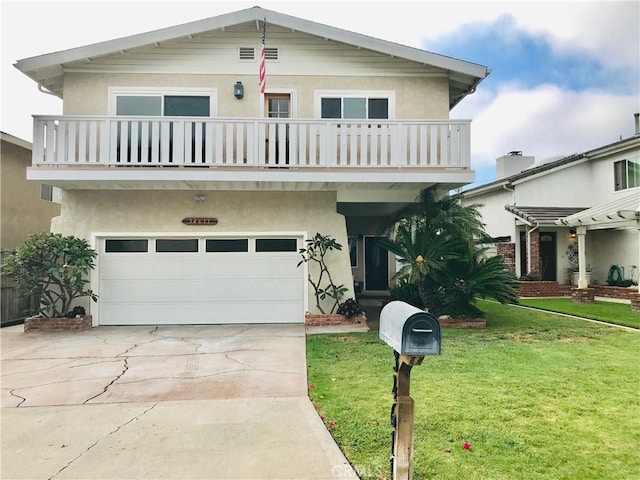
(115, 92)
(626, 162)
(390, 95)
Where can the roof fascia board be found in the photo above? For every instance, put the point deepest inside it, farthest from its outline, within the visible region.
(243, 16)
(7, 137)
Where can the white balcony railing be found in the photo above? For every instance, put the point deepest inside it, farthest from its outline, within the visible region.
(82, 141)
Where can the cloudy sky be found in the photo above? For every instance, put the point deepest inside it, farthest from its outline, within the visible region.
(565, 75)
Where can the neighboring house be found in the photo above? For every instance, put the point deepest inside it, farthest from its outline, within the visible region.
(535, 211)
(27, 207)
(197, 189)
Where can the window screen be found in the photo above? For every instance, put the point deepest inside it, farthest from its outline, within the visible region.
(186, 106)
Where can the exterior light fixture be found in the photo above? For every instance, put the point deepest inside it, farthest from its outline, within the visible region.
(572, 233)
(238, 90)
(199, 198)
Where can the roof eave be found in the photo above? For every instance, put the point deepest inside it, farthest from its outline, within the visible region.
(469, 73)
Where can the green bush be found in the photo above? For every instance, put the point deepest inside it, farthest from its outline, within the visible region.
(54, 268)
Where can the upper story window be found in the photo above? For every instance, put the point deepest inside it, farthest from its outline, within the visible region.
(355, 105)
(626, 174)
(169, 103)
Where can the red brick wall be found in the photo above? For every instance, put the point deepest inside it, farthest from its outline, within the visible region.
(508, 253)
(615, 292)
(316, 320)
(45, 324)
(536, 266)
(544, 289)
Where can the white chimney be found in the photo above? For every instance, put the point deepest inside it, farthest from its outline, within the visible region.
(512, 163)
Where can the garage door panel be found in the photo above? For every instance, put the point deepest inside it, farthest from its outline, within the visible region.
(200, 313)
(199, 266)
(169, 290)
(200, 288)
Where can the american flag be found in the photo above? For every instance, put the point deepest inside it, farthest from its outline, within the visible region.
(263, 67)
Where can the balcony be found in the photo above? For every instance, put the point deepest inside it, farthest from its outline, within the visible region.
(82, 151)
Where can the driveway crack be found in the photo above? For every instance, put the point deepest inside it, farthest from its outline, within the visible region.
(137, 417)
(124, 370)
(13, 394)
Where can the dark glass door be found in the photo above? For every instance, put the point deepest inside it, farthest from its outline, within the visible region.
(376, 265)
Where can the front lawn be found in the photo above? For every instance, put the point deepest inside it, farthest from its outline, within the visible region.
(537, 396)
(619, 313)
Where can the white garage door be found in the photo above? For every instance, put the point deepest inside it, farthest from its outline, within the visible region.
(154, 281)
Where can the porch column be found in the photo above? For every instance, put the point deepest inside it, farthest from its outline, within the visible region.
(582, 257)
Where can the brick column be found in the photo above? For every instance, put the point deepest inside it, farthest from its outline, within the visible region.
(635, 303)
(534, 251)
(583, 295)
(508, 253)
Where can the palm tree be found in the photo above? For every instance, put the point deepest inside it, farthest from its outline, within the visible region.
(438, 244)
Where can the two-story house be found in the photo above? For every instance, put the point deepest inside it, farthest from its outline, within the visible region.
(536, 210)
(198, 189)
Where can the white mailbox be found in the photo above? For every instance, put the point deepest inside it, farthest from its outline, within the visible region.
(409, 330)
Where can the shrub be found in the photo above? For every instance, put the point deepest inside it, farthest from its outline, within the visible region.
(54, 268)
(350, 308)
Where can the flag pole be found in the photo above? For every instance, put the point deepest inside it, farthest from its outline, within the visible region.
(263, 67)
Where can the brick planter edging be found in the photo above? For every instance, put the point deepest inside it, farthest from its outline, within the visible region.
(462, 322)
(46, 324)
(635, 303)
(321, 319)
(582, 295)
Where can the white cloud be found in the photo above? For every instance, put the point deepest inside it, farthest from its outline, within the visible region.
(545, 121)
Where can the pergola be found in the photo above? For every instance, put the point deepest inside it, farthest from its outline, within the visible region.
(621, 213)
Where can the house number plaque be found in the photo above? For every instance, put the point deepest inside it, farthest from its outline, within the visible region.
(200, 221)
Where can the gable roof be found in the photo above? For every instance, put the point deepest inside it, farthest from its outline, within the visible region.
(47, 70)
(612, 148)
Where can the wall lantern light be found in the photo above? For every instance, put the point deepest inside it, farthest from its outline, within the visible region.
(572, 233)
(238, 90)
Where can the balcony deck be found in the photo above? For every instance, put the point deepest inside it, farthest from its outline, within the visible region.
(93, 148)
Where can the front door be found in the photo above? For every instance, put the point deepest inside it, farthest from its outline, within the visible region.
(548, 255)
(376, 265)
(277, 105)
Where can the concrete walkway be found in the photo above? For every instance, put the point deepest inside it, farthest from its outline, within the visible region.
(188, 402)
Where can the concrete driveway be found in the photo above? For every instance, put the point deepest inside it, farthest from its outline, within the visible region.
(174, 402)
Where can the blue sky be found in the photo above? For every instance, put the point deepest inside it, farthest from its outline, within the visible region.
(565, 74)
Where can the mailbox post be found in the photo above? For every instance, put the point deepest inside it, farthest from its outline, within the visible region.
(413, 334)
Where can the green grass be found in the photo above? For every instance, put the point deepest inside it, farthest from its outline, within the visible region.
(618, 313)
(536, 395)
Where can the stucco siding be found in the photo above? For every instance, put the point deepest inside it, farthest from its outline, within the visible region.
(498, 221)
(415, 98)
(86, 213)
(23, 211)
(612, 247)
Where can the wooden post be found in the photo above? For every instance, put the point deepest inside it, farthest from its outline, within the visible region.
(402, 460)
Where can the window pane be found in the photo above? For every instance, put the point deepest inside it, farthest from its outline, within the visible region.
(139, 106)
(276, 245)
(620, 174)
(633, 174)
(355, 108)
(228, 245)
(126, 246)
(379, 108)
(331, 107)
(186, 106)
(177, 245)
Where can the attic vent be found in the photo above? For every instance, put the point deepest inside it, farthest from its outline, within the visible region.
(247, 53)
(271, 53)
